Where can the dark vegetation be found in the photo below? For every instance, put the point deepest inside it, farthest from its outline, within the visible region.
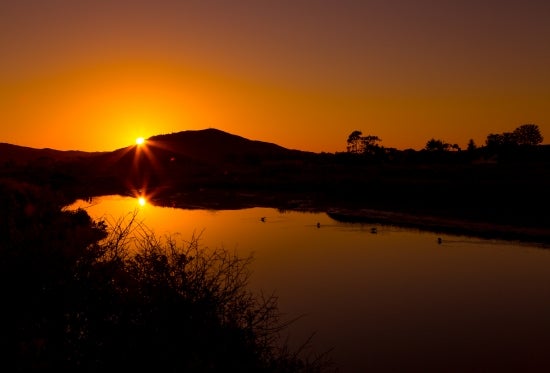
(79, 296)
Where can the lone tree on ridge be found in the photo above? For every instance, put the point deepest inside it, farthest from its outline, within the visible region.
(359, 144)
(355, 144)
(528, 134)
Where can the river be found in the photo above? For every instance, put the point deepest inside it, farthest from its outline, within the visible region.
(382, 298)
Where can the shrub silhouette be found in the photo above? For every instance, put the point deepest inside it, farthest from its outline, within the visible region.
(79, 296)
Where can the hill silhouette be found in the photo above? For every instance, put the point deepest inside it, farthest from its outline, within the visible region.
(203, 146)
(178, 158)
(210, 148)
(19, 155)
(188, 160)
(212, 145)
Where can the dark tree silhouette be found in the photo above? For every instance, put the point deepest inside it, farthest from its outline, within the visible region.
(528, 134)
(370, 144)
(471, 145)
(500, 140)
(524, 135)
(493, 140)
(355, 145)
(359, 144)
(437, 145)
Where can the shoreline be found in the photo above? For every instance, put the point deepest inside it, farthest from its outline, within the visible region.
(343, 212)
(443, 225)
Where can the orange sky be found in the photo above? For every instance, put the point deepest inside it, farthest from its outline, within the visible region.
(94, 75)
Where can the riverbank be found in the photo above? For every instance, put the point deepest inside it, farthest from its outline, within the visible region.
(472, 223)
(443, 224)
(440, 221)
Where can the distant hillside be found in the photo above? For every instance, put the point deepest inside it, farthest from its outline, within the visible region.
(20, 155)
(215, 145)
(190, 158)
(209, 147)
(206, 146)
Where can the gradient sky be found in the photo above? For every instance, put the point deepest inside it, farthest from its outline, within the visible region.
(94, 75)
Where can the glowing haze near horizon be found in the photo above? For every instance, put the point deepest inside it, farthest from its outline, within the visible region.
(95, 75)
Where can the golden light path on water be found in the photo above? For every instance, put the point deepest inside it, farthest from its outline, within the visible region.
(394, 300)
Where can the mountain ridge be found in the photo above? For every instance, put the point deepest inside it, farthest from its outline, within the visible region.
(214, 144)
(19, 154)
(209, 144)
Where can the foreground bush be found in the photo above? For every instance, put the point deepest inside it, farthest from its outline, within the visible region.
(79, 296)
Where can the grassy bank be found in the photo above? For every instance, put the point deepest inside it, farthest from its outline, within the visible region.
(444, 225)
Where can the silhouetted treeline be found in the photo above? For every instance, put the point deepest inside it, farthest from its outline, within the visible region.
(518, 145)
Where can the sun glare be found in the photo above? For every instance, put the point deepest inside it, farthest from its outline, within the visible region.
(142, 201)
(140, 141)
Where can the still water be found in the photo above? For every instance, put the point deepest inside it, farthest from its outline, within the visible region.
(393, 300)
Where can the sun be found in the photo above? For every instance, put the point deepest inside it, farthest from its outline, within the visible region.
(142, 201)
(140, 141)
